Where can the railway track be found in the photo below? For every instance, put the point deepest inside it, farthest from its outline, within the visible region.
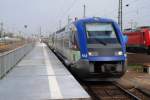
(110, 91)
(113, 91)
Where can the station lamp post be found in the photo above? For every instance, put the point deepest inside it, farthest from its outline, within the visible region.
(25, 26)
(120, 13)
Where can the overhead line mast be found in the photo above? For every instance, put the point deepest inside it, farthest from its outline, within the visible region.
(84, 11)
(120, 14)
(1, 29)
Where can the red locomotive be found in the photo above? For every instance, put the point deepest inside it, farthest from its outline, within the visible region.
(138, 39)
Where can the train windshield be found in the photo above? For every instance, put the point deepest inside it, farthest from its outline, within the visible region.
(102, 33)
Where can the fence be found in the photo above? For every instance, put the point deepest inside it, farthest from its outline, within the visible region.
(9, 59)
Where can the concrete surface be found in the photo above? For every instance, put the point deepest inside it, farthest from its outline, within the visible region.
(40, 76)
(133, 79)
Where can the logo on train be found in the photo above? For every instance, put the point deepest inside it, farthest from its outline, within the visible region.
(84, 55)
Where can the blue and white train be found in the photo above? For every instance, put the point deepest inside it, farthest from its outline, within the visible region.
(93, 48)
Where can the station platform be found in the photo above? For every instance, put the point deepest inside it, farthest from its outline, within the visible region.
(41, 76)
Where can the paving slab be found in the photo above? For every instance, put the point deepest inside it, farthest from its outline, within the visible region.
(41, 76)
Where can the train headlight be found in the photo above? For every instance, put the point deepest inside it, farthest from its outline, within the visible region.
(93, 53)
(90, 53)
(118, 53)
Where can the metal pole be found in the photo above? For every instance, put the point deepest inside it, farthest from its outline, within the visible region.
(131, 24)
(1, 30)
(69, 19)
(120, 14)
(25, 27)
(40, 34)
(40, 31)
(59, 24)
(84, 11)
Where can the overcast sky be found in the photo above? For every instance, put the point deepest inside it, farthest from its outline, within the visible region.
(47, 13)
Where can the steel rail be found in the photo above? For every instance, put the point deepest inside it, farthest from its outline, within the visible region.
(127, 92)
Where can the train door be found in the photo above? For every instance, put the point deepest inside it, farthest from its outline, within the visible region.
(143, 40)
(75, 52)
(70, 43)
(147, 40)
(147, 37)
(66, 42)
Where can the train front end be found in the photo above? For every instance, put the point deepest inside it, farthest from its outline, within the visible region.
(102, 50)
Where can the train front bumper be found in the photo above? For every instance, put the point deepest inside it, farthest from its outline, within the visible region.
(95, 70)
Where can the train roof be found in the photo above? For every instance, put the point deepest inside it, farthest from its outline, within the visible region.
(91, 19)
(137, 29)
(143, 27)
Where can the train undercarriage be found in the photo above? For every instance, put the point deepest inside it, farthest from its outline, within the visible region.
(99, 71)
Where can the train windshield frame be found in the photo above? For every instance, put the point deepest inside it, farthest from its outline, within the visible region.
(101, 33)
